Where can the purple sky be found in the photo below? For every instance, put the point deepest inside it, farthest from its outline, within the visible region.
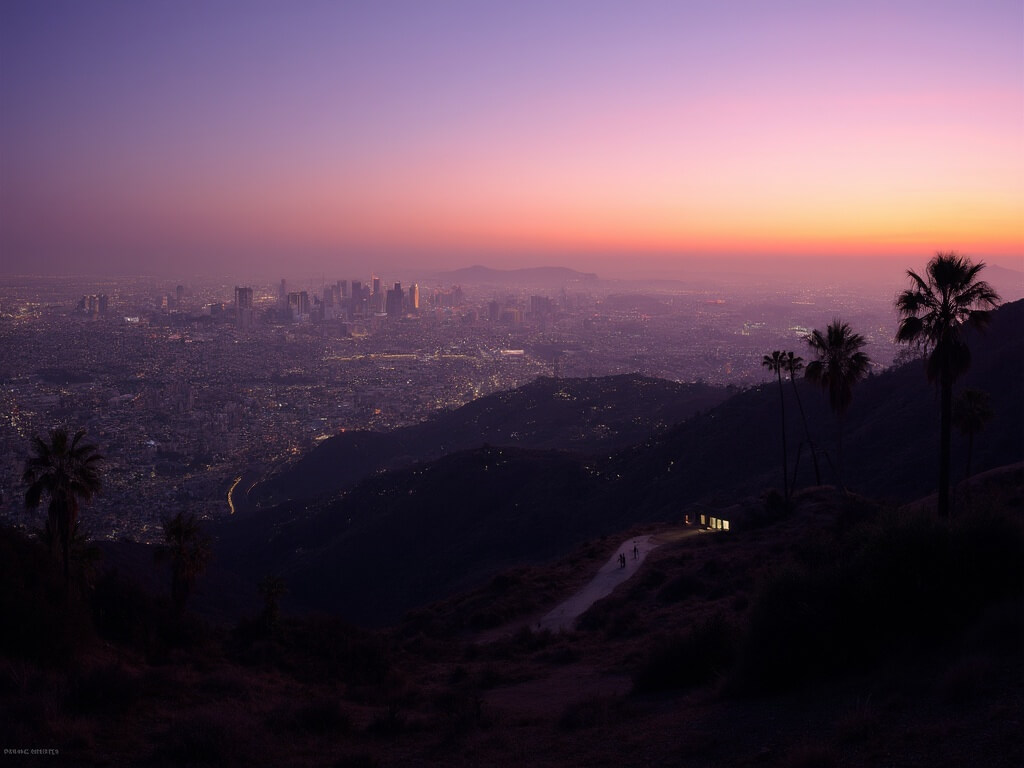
(260, 138)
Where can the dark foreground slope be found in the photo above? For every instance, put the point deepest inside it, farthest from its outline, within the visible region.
(846, 633)
(406, 537)
(597, 415)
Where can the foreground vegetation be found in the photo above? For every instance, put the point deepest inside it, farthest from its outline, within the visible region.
(840, 633)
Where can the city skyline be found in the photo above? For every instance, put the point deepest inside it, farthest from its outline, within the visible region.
(634, 139)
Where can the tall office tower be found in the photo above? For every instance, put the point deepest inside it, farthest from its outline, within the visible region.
(298, 303)
(243, 297)
(243, 307)
(282, 295)
(396, 298)
(375, 282)
(179, 296)
(329, 305)
(103, 304)
(342, 286)
(355, 303)
(414, 297)
(541, 306)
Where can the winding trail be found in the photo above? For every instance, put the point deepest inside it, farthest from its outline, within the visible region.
(551, 691)
(610, 575)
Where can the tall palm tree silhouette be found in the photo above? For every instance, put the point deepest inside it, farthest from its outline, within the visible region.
(66, 470)
(794, 364)
(775, 362)
(934, 312)
(839, 364)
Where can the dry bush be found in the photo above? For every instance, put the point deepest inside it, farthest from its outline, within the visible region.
(592, 712)
(108, 689)
(699, 656)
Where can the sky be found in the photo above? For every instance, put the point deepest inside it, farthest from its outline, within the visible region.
(618, 137)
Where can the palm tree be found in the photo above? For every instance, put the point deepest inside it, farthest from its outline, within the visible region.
(68, 472)
(189, 553)
(839, 365)
(934, 312)
(775, 362)
(972, 410)
(795, 364)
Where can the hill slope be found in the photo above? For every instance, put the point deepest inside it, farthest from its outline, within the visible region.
(597, 415)
(406, 537)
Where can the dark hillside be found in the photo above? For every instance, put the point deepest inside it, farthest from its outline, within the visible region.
(890, 445)
(592, 415)
(406, 537)
(415, 535)
(847, 633)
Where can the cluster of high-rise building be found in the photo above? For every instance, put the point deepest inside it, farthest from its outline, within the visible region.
(185, 388)
(93, 305)
(341, 300)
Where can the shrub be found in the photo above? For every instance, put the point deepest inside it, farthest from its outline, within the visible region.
(907, 583)
(593, 712)
(42, 621)
(123, 613)
(686, 584)
(323, 716)
(108, 689)
(357, 760)
(691, 659)
(197, 741)
(387, 724)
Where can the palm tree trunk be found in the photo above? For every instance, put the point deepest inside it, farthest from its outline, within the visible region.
(839, 419)
(807, 433)
(945, 427)
(67, 562)
(785, 453)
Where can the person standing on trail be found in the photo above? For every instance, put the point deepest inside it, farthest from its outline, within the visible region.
(636, 552)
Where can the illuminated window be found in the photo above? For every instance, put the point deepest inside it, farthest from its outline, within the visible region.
(725, 525)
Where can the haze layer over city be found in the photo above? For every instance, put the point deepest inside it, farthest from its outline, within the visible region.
(714, 182)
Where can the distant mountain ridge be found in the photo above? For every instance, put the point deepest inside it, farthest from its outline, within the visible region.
(478, 274)
(1008, 282)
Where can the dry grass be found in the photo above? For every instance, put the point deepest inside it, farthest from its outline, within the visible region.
(438, 690)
